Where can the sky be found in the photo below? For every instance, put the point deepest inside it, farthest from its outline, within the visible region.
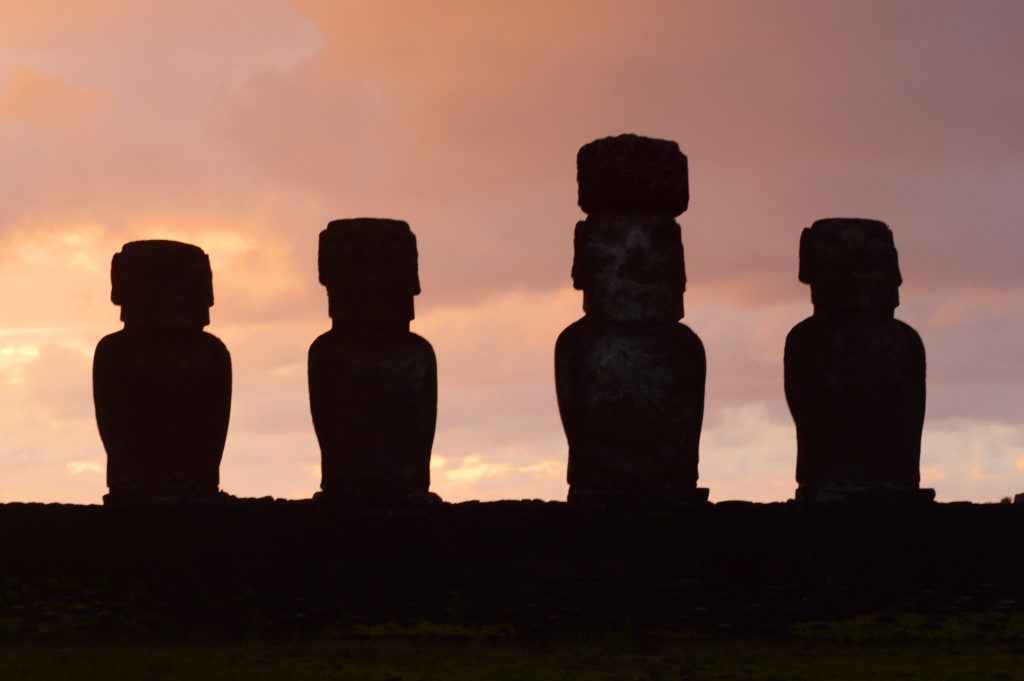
(244, 127)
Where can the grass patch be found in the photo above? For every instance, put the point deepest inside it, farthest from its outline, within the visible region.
(904, 647)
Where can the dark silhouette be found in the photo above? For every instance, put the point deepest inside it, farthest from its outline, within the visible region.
(630, 378)
(258, 569)
(854, 375)
(162, 386)
(372, 383)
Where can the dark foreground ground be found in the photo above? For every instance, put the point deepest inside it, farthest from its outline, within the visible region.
(291, 589)
(904, 647)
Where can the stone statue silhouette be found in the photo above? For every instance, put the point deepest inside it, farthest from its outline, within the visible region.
(161, 385)
(372, 383)
(855, 375)
(629, 376)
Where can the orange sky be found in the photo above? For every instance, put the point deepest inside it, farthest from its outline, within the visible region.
(244, 127)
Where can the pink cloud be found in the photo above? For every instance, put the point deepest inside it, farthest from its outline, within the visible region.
(31, 95)
(246, 128)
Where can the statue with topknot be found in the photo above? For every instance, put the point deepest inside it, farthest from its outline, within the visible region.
(629, 376)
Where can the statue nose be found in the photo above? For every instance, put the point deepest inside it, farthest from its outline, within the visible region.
(639, 265)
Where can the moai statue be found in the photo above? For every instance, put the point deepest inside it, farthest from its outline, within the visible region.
(854, 375)
(161, 385)
(372, 383)
(629, 376)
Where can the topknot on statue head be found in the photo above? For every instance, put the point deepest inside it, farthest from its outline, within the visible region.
(850, 263)
(632, 173)
(162, 283)
(369, 267)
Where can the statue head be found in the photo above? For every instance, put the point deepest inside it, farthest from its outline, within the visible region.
(369, 268)
(850, 263)
(162, 283)
(630, 269)
(628, 254)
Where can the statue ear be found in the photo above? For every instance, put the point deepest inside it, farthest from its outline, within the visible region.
(678, 276)
(895, 263)
(580, 266)
(808, 259)
(414, 280)
(208, 282)
(117, 280)
(323, 257)
(682, 265)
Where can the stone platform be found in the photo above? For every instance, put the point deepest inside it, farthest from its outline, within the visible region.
(277, 565)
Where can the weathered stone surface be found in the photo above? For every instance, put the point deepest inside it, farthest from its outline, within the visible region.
(372, 383)
(632, 402)
(162, 386)
(632, 173)
(630, 269)
(854, 375)
(629, 377)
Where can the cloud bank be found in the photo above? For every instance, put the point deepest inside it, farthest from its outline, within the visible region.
(246, 127)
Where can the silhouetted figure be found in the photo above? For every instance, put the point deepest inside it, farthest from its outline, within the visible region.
(161, 385)
(630, 378)
(372, 383)
(855, 376)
